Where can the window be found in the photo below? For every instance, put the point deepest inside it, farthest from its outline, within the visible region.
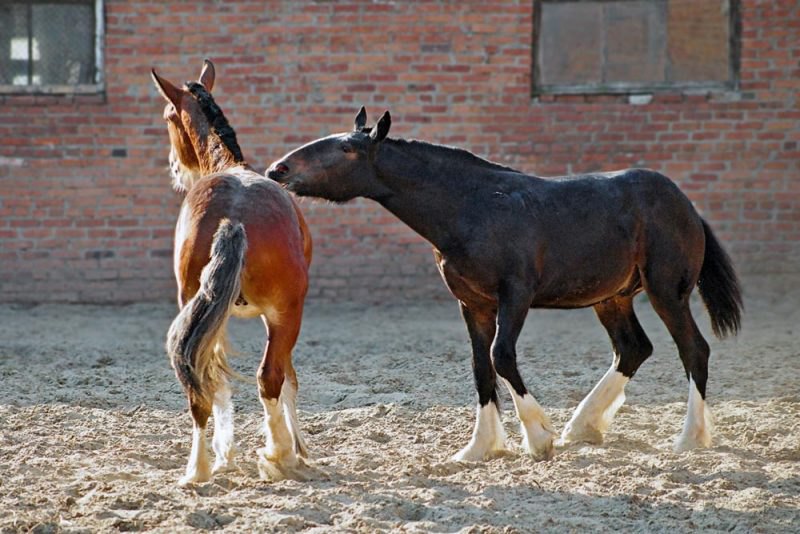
(623, 46)
(51, 46)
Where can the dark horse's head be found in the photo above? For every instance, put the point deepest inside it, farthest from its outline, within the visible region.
(338, 167)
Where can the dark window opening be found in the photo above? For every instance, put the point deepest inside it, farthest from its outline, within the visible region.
(49, 44)
(623, 46)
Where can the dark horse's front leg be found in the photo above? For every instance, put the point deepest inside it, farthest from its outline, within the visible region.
(494, 334)
(488, 436)
(537, 433)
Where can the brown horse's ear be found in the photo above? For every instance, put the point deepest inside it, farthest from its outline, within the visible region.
(381, 129)
(207, 75)
(361, 120)
(168, 91)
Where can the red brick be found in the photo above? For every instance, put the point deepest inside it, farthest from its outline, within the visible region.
(451, 72)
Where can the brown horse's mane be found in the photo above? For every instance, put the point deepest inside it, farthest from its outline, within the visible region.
(216, 119)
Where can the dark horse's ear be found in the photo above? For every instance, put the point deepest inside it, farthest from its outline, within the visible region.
(381, 129)
(168, 91)
(207, 75)
(361, 120)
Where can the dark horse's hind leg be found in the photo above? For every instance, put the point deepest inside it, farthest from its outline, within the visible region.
(488, 435)
(694, 353)
(631, 348)
(537, 433)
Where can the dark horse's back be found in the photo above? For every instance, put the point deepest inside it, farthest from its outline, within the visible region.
(615, 231)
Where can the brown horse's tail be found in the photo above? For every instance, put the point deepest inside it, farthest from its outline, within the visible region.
(719, 288)
(196, 338)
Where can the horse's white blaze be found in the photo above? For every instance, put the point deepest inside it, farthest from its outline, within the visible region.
(223, 429)
(197, 470)
(696, 427)
(279, 445)
(594, 414)
(487, 437)
(537, 432)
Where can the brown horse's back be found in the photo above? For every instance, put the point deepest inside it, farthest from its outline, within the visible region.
(275, 271)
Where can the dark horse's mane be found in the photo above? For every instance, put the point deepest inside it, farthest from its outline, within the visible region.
(464, 155)
(219, 124)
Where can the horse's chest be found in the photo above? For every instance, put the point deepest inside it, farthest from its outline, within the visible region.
(465, 280)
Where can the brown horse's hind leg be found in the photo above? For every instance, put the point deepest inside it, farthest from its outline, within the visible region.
(290, 407)
(631, 348)
(197, 469)
(277, 459)
(222, 443)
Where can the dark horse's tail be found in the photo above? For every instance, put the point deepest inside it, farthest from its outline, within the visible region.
(719, 288)
(196, 338)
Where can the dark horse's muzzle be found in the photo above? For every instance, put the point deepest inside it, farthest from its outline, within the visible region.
(277, 171)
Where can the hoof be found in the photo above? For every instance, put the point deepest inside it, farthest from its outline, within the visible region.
(581, 434)
(537, 441)
(276, 467)
(471, 453)
(478, 452)
(542, 452)
(688, 442)
(272, 471)
(194, 478)
(223, 467)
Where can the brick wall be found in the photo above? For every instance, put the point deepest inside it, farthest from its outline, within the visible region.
(86, 211)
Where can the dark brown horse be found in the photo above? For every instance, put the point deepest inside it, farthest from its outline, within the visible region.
(242, 248)
(506, 242)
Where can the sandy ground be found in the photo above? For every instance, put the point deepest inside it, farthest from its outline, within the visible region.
(94, 432)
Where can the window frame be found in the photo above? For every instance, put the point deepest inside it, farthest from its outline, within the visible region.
(99, 55)
(627, 88)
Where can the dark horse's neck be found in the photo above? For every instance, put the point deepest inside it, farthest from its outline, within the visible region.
(219, 149)
(430, 185)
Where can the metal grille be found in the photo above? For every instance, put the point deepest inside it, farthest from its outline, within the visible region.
(48, 43)
(598, 46)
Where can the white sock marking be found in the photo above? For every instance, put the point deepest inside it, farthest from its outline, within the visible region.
(279, 446)
(595, 412)
(289, 394)
(223, 429)
(696, 432)
(487, 437)
(537, 432)
(197, 469)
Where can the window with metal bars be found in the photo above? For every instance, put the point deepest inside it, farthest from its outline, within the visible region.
(623, 46)
(51, 46)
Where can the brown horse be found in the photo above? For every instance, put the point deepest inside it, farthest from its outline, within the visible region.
(241, 248)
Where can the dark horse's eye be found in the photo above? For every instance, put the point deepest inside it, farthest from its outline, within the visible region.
(347, 148)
